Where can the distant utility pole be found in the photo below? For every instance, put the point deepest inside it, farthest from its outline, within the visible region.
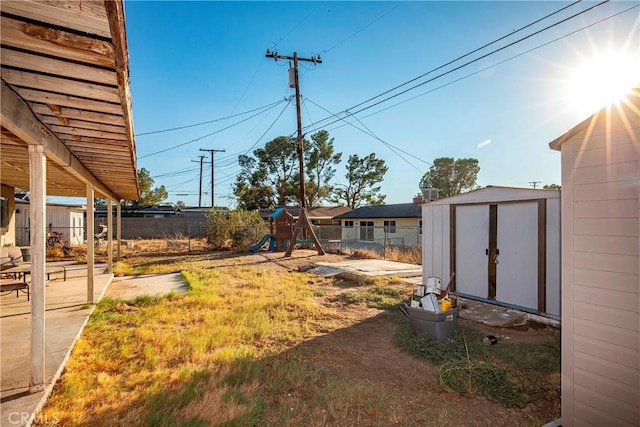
(534, 183)
(201, 156)
(303, 220)
(212, 153)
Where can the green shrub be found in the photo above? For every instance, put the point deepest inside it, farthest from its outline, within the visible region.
(234, 229)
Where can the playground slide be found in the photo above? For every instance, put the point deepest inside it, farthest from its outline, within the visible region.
(266, 238)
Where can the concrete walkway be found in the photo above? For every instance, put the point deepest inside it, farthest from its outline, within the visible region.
(65, 317)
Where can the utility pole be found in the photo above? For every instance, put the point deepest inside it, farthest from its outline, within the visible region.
(303, 222)
(201, 156)
(212, 168)
(534, 183)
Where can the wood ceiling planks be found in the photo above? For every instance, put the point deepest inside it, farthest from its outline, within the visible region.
(69, 60)
(81, 15)
(56, 42)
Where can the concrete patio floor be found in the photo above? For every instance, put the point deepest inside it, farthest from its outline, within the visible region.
(66, 312)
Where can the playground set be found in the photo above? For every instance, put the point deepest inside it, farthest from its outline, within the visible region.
(281, 225)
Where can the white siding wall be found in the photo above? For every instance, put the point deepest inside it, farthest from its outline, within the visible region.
(554, 296)
(600, 276)
(435, 242)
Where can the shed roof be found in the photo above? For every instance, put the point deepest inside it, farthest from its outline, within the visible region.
(493, 193)
(65, 87)
(401, 210)
(628, 107)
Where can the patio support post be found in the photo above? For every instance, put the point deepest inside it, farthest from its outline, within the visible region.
(109, 236)
(91, 229)
(37, 218)
(118, 227)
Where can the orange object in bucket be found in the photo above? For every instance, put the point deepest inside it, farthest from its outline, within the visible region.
(445, 305)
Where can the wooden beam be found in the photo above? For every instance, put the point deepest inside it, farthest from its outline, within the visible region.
(55, 42)
(91, 229)
(22, 122)
(37, 226)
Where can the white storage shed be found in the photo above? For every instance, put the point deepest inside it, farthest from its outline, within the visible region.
(601, 267)
(65, 219)
(503, 243)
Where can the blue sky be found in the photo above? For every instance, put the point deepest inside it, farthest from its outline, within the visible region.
(192, 62)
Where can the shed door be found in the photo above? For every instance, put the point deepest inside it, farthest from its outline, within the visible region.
(472, 235)
(517, 268)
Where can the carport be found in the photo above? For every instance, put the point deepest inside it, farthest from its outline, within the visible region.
(67, 126)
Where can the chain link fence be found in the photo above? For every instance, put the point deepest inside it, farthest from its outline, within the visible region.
(370, 238)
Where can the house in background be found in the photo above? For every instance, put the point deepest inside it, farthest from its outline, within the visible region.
(503, 244)
(382, 225)
(68, 220)
(601, 267)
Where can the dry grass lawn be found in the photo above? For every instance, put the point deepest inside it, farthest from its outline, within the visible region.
(257, 342)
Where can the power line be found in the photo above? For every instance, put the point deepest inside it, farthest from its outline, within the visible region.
(363, 28)
(370, 133)
(493, 65)
(317, 124)
(202, 137)
(210, 121)
(468, 54)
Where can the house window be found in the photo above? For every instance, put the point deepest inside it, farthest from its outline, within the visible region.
(4, 212)
(348, 223)
(366, 231)
(390, 227)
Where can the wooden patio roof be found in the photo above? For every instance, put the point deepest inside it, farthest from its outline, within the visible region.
(65, 86)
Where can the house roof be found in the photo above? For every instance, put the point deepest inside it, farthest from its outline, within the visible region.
(401, 210)
(318, 212)
(327, 212)
(65, 88)
(495, 193)
(629, 107)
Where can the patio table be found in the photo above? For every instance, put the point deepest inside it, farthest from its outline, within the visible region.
(21, 271)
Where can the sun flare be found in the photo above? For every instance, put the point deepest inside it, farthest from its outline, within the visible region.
(603, 79)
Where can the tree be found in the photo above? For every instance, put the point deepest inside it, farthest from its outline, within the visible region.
(149, 196)
(320, 160)
(268, 179)
(362, 176)
(551, 187)
(451, 177)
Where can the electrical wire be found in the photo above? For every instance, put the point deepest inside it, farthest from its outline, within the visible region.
(317, 124)
(362, 29)
(204, 136)
(496, 64)
(210, 121)
(370, 133)
(468, 54)
(275, 44)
